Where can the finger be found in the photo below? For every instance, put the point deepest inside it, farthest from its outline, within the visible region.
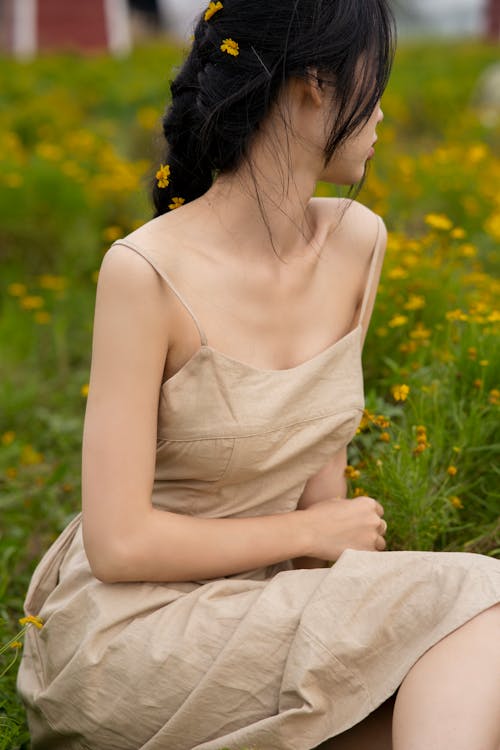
(380, 544)
(383, 527)
(379, 508)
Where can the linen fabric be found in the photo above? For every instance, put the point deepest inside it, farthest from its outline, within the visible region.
(271, 659)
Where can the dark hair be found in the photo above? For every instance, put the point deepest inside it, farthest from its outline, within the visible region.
(220, 100)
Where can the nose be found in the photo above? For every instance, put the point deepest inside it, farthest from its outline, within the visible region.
(380, 114)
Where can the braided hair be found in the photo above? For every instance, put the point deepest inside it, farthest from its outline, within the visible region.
(243, 53)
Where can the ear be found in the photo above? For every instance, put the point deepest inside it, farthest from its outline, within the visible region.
(315, 86)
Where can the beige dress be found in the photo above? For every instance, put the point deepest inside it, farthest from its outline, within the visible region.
(272, 659)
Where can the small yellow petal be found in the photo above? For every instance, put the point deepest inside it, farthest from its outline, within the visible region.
(231, 47)
(212, 9)
(162, 176)
(176, 203)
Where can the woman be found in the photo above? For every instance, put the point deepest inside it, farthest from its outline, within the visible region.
(192, 606)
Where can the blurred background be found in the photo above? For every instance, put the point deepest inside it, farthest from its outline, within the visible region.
(83, 86)
(32, 25)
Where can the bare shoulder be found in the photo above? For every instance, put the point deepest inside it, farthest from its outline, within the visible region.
(353, 225)
(127, 270)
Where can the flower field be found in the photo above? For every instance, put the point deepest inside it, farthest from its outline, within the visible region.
(77, 150)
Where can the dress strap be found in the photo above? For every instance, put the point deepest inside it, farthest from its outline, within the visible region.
(160, 272)
(372, 271)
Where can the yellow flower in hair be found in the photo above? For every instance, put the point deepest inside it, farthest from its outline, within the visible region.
(212, 10)
(231, 47)
(176, 203)
(162, 176)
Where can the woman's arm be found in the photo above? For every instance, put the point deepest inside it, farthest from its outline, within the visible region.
(329, 483)
(126, 539)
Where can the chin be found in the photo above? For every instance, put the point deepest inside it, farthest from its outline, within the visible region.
(344, 177)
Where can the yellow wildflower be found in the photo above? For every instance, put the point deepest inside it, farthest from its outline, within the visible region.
(415, 302)
(366, 419)
(439, 221)
(382, 421)
(162, 176)
(456, 502)
(32, 302)
(494, 317)
(359, 492)
(8, 437)
(42, 317)
(484, 363)
(452, 471)
(112, 233)
(468, 250)
(421, 430)
(458, 233)
(478, 383)
(472, 352)
(381, 332)
(351, 473)
(30, 457)
(454, 315)
(231, 47)
(477, 152)
(492, 226)
(400, 392)
(212, 9)
(17, 290)
(397, 321)
(84, 390)
(419, 449)
(49, 151)
(397, 273)
(408, 347)
(420, 333)
(385, 437)
(54, 283)
(32, 620)
(494, 397)
(15, 644)
(176, 203)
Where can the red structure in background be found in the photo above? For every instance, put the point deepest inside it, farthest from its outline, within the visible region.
(493, 20)
(61, 26)
(32, 26)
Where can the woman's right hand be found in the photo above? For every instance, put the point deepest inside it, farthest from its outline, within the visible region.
(339, 524)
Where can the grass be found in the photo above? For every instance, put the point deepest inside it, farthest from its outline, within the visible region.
(76, 148)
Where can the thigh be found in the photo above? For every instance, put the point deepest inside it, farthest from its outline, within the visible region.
(373, 733)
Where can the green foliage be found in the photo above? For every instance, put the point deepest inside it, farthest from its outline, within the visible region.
(76, 149)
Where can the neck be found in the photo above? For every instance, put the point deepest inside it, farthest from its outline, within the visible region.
(264, 205)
